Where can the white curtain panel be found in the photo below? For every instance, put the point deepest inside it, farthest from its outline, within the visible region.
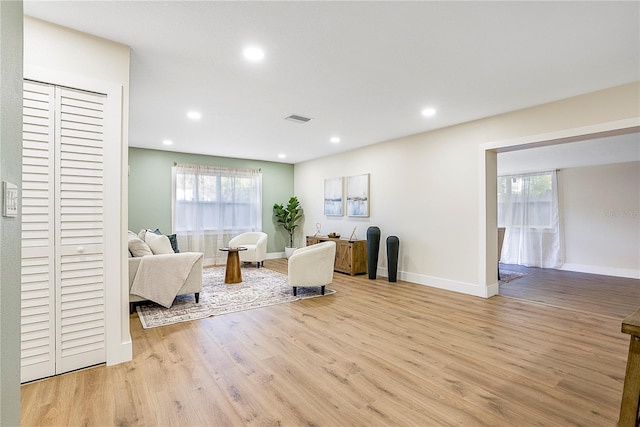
(528, 209)
(213, 204)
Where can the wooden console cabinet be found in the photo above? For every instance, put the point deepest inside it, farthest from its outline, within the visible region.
(351, 255)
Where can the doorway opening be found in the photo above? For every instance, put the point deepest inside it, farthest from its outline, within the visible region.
(489, 166)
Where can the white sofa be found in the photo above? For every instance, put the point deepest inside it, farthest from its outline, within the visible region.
(192, 284)
(312, 266)
(159, 274)
(256, 244)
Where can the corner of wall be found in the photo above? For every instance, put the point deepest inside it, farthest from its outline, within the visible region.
(11, 36)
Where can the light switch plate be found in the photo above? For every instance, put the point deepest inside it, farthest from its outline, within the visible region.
(10, 199)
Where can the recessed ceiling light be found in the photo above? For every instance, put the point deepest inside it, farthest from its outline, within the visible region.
(167, 142)
(253, 54)
(429, 112)
(282, 156)
(194, 115)
(335, 139)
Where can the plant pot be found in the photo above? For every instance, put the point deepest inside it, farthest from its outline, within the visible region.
(288, 251)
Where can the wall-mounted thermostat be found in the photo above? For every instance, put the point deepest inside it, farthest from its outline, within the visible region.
(10, 199)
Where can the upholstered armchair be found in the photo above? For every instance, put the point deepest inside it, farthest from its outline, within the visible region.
(312, 266)
(256, 244)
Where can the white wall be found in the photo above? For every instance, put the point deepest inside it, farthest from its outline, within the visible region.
(425, 187)
(601, 211)
(58, 55)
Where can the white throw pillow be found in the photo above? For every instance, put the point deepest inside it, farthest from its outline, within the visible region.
(137, 247)
(158, 243)
(142, 232)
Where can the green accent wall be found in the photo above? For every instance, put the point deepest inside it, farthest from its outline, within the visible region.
(150, 188)
(11, 37)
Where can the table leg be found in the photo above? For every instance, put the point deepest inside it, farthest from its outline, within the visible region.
(233, 273)
(631, 390)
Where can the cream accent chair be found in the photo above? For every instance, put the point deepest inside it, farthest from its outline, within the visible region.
(312, 266)
(256, 244)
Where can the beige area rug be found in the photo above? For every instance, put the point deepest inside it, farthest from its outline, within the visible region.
(260, 287)
(507, 276)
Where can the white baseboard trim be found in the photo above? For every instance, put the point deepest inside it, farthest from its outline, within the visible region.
(492, 290)
(605, 271)
(446, 284)
(123, 353)
(275, 255)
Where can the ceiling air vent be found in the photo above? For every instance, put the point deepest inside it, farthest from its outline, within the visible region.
(298, 119)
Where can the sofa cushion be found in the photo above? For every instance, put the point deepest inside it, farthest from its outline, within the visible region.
(173, 239)
(174, 242)
(137, 247)
(159, 243)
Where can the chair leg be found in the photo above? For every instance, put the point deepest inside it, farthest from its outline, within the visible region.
(197, 295)
(323, 290)
(295, 291)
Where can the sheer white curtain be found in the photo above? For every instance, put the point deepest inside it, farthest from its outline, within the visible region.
(528, 208)
(213, 204)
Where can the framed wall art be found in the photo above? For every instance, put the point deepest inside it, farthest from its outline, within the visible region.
(333, 197)
(358, 195)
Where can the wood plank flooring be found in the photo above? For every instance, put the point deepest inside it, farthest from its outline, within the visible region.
(617, 297)
(373, 354)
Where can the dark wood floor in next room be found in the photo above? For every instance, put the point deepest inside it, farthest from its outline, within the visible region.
(617, 297)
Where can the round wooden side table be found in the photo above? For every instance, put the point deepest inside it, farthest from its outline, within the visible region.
(232, 273)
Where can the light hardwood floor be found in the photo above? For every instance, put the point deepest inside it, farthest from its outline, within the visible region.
(374, 354)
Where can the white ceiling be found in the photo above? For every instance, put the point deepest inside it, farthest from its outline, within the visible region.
(362, 70)
(600, 151)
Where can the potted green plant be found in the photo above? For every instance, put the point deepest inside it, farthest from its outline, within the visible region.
(288, 217)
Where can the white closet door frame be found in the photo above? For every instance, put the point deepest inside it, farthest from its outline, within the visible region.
(118, 339)
(63, 277)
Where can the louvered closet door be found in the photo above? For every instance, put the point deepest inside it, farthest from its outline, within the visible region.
(38, 256)
(80, 330)
(63, 314)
